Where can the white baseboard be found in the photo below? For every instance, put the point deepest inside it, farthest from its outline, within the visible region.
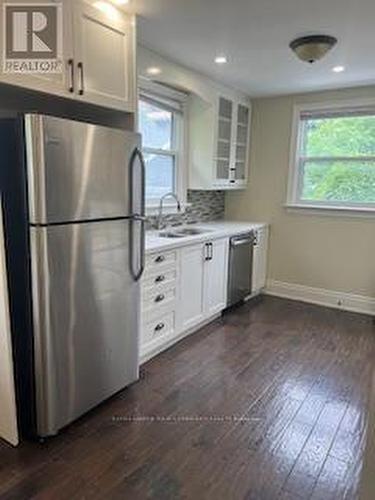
(320, 296)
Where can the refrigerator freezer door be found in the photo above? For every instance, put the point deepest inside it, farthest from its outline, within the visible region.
(77, 171)
(86, 318)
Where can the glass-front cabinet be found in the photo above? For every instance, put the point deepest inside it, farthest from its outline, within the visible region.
(233, 131)
(219, 136)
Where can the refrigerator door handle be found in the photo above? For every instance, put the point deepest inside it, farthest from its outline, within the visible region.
(135, 217)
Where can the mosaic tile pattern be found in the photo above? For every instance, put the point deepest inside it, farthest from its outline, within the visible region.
(205, 206)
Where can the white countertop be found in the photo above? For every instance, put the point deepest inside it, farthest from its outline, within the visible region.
(215, 230)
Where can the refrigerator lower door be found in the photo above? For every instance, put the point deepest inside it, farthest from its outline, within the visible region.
(86, 318)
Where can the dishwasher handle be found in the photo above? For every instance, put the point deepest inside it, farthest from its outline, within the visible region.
(242, 241)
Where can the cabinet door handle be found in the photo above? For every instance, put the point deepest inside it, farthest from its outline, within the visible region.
(82, 78)
(160, 298)
(160, 259)
(206, 252)
(209, 251)
(159, 327)
(71, 75)
(160, 279)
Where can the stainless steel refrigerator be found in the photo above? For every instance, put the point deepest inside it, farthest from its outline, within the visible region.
(85, 186)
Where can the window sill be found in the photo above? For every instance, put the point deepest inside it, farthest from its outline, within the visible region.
(329, 210)
(153, 209)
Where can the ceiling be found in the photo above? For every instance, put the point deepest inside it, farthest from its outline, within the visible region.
(255, 34)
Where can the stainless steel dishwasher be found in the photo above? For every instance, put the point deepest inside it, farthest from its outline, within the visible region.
(240, 267)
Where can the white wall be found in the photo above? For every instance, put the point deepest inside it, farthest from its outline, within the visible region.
(8, 415)
(330, 252)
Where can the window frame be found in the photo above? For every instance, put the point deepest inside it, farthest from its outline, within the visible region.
(295, 178)
(175, 102)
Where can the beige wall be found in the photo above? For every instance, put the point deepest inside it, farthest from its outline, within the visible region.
(324, 251)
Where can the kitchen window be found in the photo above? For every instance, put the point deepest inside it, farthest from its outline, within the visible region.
(161, 123)
(333, 158)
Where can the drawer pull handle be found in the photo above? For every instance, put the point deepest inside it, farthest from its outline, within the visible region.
(159, 327)
(160, 298)
(160, 259)
(160, 279)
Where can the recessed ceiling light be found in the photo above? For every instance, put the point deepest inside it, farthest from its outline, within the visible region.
(221, 60)
(120, 2)
(338, 69)
(153, 71)
(108, 9)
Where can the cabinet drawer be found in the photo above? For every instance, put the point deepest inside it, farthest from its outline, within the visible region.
(165, 325)
(160, 279)
(158, 260)
(152, 302)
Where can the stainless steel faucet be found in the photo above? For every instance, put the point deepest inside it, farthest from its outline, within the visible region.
(162, 199)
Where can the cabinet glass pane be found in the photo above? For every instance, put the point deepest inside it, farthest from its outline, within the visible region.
(225, 108)
(242, 134)
(240, 153)
(223, 150)
(243, 115)
(240, 171)
(225, 130)
(222, 169)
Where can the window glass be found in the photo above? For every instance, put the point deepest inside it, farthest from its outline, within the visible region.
(160, 175)
(335, 164)
(160, 126)
(155, 126)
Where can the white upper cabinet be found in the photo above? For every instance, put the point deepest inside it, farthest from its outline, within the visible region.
(52, 83)
(219, 143)
(98, 57)
(104, 49)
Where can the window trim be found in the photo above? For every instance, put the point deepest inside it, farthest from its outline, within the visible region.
(294, 175)
(176, 102)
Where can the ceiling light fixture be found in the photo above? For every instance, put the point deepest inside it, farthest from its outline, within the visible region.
(338, 69)
(120, 2)
(312, 48)
(153, 71)
(221, 60)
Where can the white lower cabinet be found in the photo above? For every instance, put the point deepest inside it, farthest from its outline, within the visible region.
(182, 289)
(260, 260)
(216, 277)
(192, 303)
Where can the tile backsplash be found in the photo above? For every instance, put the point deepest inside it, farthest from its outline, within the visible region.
(204, 206)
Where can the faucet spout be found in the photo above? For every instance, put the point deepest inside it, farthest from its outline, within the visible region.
(161, 205)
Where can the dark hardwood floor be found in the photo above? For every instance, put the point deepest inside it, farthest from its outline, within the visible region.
(269, 402)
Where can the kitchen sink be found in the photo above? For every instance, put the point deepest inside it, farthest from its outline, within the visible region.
(170, 234)
(183, 232)
(192, 231)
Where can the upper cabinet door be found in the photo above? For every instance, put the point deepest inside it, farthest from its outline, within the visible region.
(224, 141)
(57, 83)
(104, 48)
(242, 143)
